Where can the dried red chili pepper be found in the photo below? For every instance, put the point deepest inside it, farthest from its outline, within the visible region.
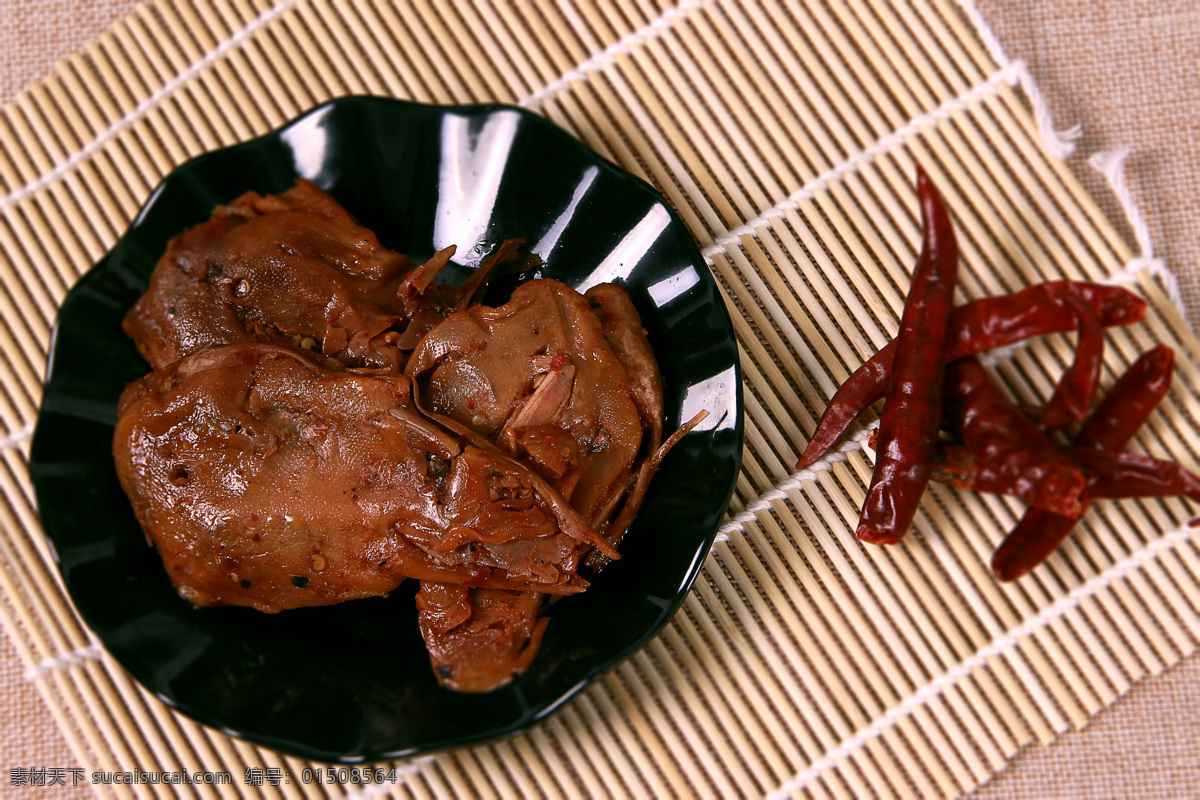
(955, 465)
(1110, 476)
(1127, 406)
(1114, 422)
(1114, 476)
(865, 386)
(908, 427)
(975, 326)
(1073, 395)
(1008, 442)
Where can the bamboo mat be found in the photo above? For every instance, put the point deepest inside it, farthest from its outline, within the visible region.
(785, 134)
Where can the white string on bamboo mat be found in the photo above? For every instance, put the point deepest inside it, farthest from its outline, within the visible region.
(780, 492)
(1111, 164)
(1007, 75)
(607, 56)
(1059, 143)
(602, 59)
(403, 771)
(17, 437)
(142, 108)
(996, 647)
(64, 660)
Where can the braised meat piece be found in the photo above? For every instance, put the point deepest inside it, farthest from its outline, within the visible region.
(624, 332)
(568, 385)
(503, 374)
(324, 421)
(267, 480)
(293, 269)
(426, 303)
(478, 639)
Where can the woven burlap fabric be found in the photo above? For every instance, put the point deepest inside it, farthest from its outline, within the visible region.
(29, 736)
(1106, 69)
(36, 33)
(1145, 746)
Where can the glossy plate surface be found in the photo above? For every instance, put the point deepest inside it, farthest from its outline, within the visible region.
(353, 682)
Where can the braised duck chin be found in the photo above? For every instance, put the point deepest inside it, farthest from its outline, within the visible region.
(293, 269)
(268, 480)
(325, 420)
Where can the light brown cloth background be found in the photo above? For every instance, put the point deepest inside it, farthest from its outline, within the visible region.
(1128, 72)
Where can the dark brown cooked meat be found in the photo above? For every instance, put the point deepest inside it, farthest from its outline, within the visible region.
(269, 475)
(268, 480)
(293, 269)
(623, 329)
(479, 639)
(541, 359)
(569, 386)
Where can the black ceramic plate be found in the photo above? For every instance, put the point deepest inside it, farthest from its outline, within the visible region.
(352, 682)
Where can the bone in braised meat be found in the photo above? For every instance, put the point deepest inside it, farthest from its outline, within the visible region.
(267, 480)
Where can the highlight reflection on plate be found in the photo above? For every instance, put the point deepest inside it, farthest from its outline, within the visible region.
(353, 682)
